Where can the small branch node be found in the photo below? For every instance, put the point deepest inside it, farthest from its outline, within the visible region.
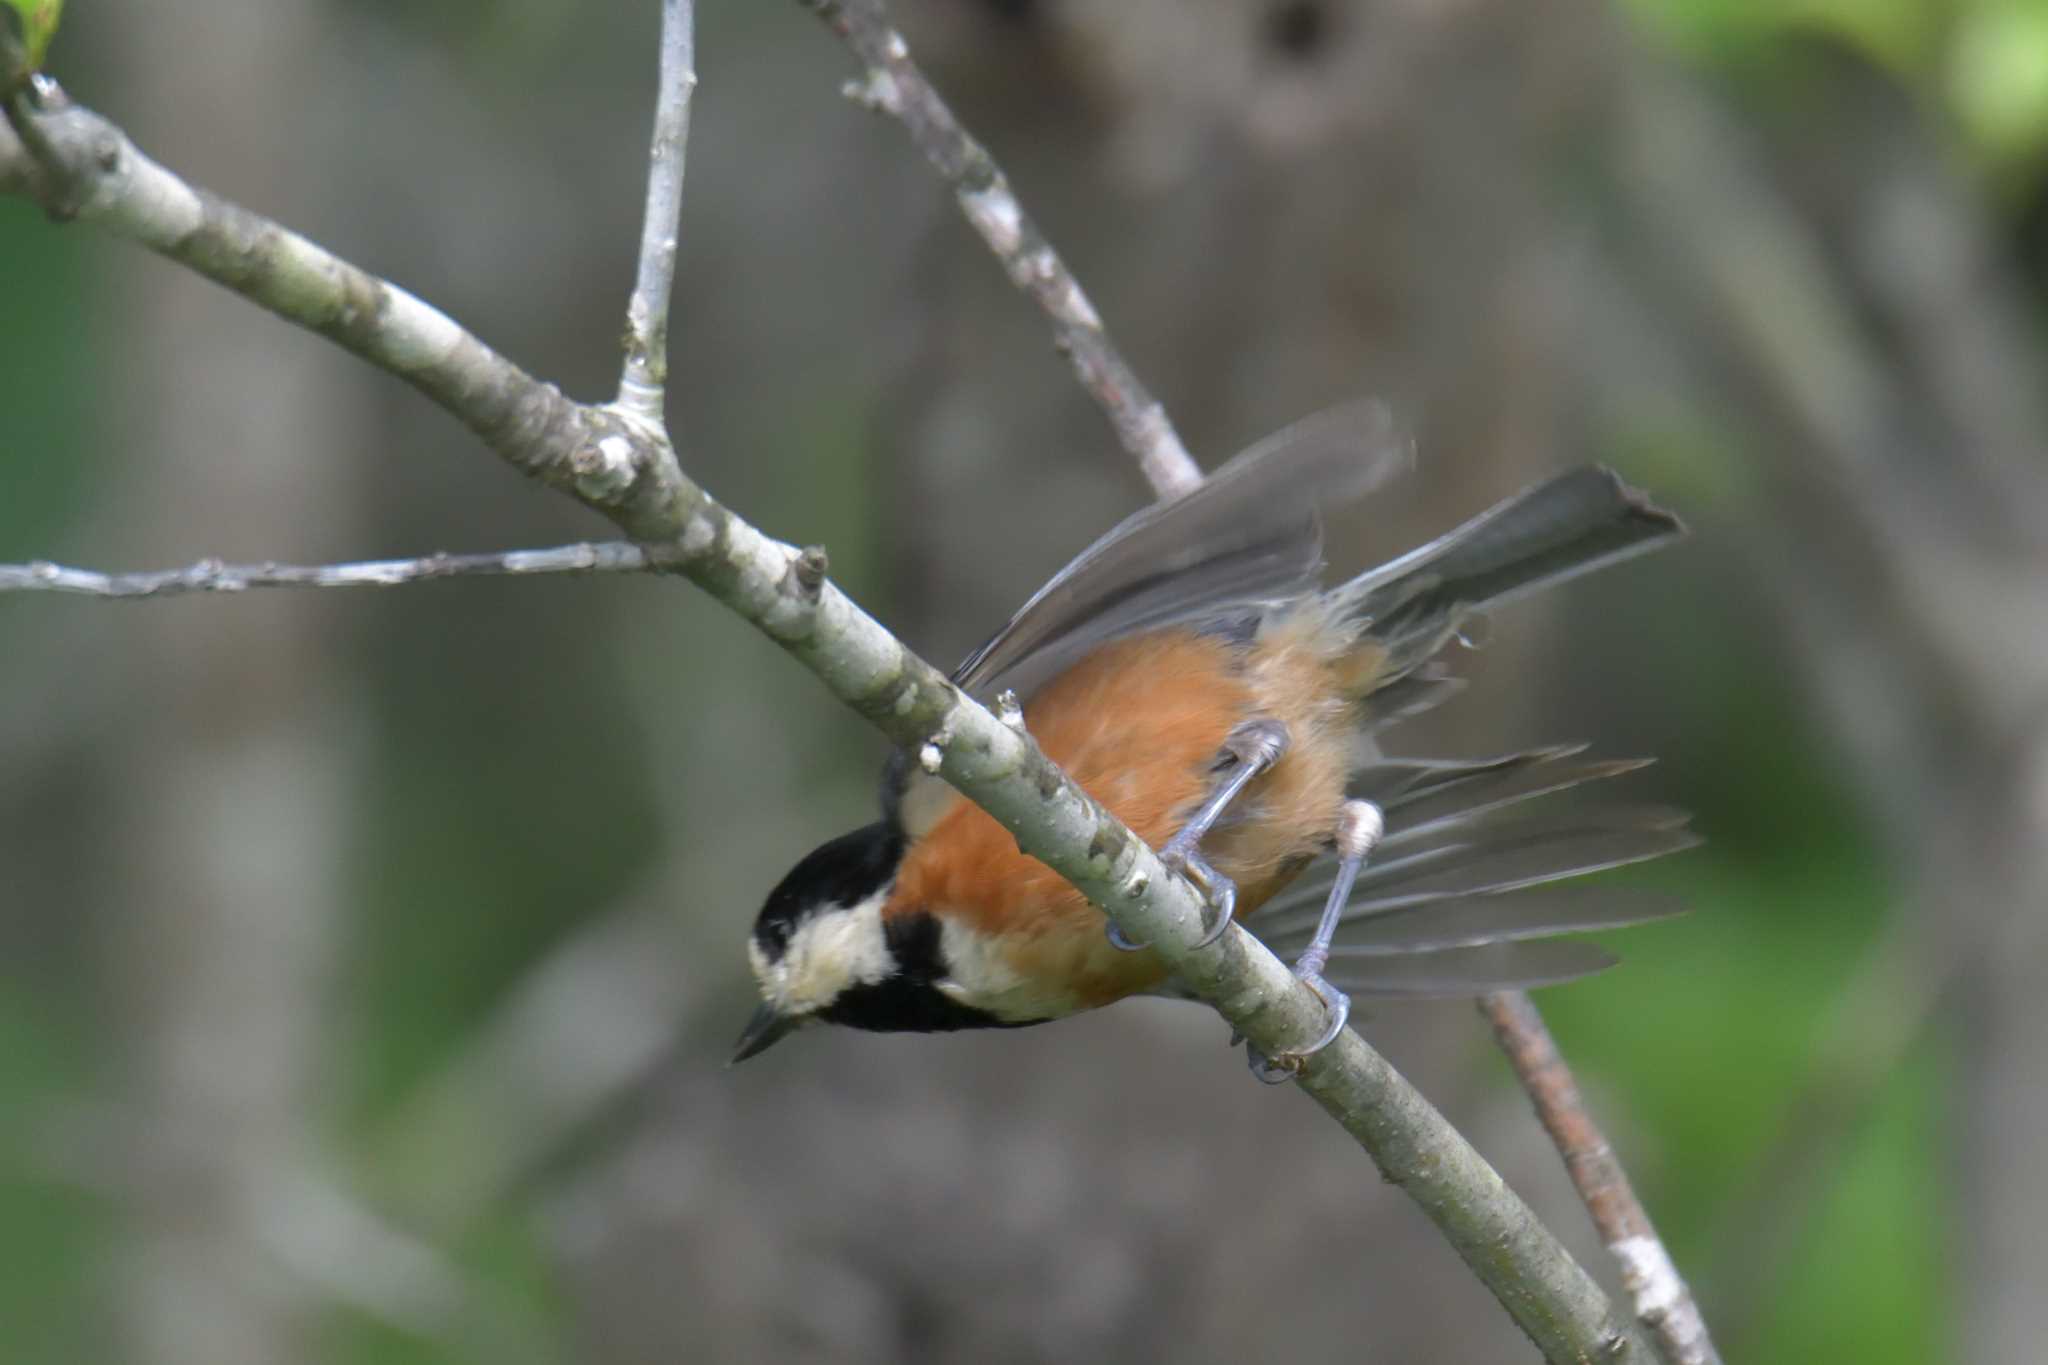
(931, 755)
(605, 469)
(1009, 710)
(809, 568)
(995, 211)
(875, 92)
(698, 535)
(1075, 305)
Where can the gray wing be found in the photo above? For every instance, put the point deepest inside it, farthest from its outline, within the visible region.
(1247, 536)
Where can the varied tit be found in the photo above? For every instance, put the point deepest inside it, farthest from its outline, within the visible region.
(1191, 674)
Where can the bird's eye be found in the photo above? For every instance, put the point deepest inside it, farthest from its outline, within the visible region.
(774, 936)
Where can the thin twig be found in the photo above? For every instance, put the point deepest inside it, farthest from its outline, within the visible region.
(211, 575)
(626, 469)
(1662, 1301)
(895, 86)
(643, 384)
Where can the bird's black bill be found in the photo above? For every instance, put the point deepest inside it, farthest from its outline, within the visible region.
(767, 1028)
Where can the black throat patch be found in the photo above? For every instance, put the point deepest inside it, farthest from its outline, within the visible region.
(910, 1001)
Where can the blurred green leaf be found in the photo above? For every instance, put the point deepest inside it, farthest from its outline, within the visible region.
(54, 1228)
(1985, 62)
(1998, 78)
(26, 27)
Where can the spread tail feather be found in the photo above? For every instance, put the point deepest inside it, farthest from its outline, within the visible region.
(1478, 970)
(1459, 897)
(1575, 523)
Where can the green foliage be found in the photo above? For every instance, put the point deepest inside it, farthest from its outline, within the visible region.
(1997, 78)
(1983, 64)
(1866, 1280)
(42, 345)
(52, 1227)
(1730, 999)
(26, 28)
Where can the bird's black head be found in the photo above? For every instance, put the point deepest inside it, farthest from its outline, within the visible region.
(823, 952)
(821, 932)
(837, 875)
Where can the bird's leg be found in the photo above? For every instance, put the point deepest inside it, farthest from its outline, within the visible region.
(1248, 750)
(1359, 826)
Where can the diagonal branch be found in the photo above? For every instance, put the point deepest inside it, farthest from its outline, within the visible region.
(625, 468)
(211, 575)
(1663, 1303)
(895, 86)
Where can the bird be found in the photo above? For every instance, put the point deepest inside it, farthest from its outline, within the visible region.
(1192, 673)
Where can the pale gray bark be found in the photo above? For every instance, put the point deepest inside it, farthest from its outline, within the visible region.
(211, 575)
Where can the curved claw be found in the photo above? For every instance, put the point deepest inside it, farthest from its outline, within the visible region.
(1222, 898)
(1339, 1006)
(1219, 893)
(1285, 1067)
(1119, 942)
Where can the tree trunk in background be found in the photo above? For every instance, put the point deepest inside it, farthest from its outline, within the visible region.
(2003, 1073)
(230, 825)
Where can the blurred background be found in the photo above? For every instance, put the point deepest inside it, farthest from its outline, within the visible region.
(368, 962)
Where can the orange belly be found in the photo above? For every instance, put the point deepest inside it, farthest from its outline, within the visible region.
(1138, 723)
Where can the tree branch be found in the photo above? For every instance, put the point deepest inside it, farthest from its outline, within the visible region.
(1662, 1301)
(642, 385)
(625, 468)
(895, 86)
(211, 575)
